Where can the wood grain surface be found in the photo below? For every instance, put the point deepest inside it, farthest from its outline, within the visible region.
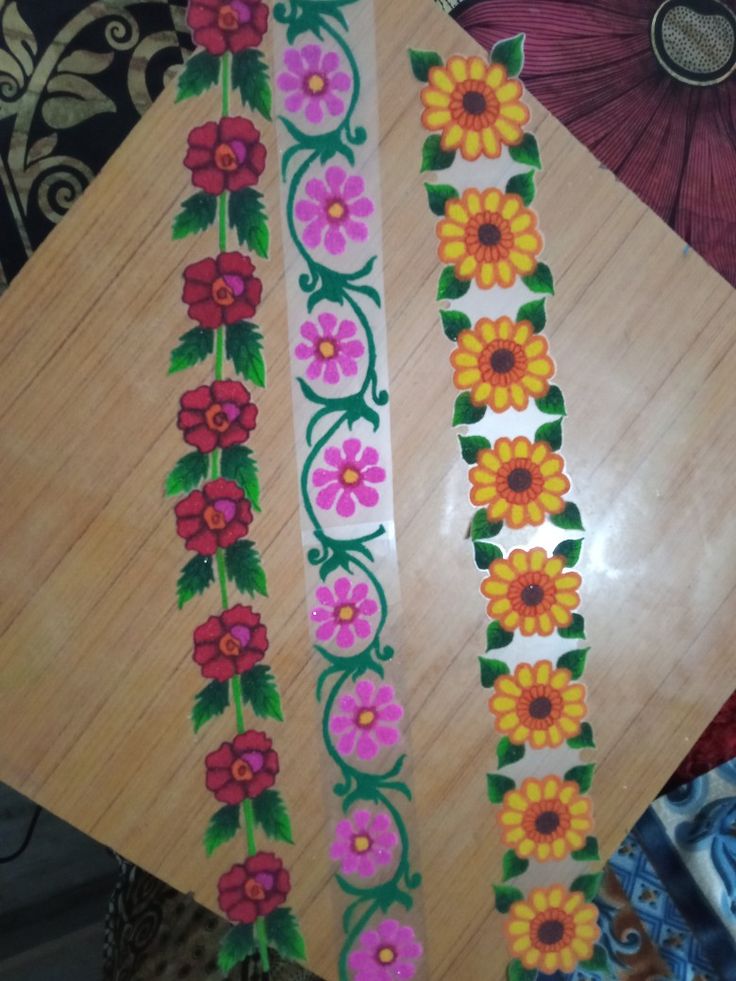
(96, 680)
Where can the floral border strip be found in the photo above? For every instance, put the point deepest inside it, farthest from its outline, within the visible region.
(217, 482)
(488, 240)
(327, 136)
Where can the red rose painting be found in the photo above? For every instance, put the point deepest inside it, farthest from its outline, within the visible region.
(254, 888)
(231, 643)
(220, 26)
(243, 768)
(225, 156)
(215, 517)
(217, 415)
(221, 290)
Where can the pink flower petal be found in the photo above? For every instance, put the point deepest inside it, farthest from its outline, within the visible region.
(361, 819)
(316, 190)
(326, 497)
(367, 496)
(374, 475)
(309, 331)
(332, 374)
(288, 82)
(349, 704)
(361, 208)
(330, 61)
(327, 320)
(326, 630)
(340, 82)
(366, 747)
(346, 329)
(335, 177)
(341, 723)
(293, 61)
(384, 695)
(342, 588)
(354, 349)
(351, 449)
(386, 736)
(307, 210)
(324, 596)
(354, 186)
(314, 112)
(388, 929)
(390, 713)
(315, 369)
(335, 240)
(344, 636)
(311, 54)
(320, 477)
(366, 865)
(360, 591)
(364, 692)
(345, 505)
(333, 457)
(293, 102)
(346, 743)
(362, 628)
(304, 351)
(355, 230)
(368, 608)
(312, 234)
(335, 106)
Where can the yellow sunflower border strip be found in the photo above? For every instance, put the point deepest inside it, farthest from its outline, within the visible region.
(495, 288)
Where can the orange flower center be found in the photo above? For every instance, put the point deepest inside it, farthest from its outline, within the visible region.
(386, 955)
(546, 821)
(539, 707)
(350, 476)
(227, 19)
(222, 292)
(216, 418)
(254, 890)
(225, 158)
(520, 481)
(241, 771)
(552, 930)
(502, 362)
(361, 843)
(315, 83)
(488, 237)
(346, 613)
(326, 349)
(229, 646)
(474, 105)
(214, 519)
(336, 210)
(532, 593)
(366, 718)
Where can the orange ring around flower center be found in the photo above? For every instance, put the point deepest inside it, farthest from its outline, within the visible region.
(488, 237)
(539, 707)
(214, 519)
(502, 362)
(216, 418)
(227, 19)
(225, 158)
(241, 771)
(229, 646)
(474, 105)
(552, 930)
(532, 593)
(546, 821)
(519, 481)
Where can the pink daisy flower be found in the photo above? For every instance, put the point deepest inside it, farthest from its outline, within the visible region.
(352, 472)
(312, 77)
(386, 953)
(330, 209)
(366, 720)
(344, 612)
(329, 349)
(363, 842)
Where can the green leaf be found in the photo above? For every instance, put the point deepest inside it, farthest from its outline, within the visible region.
(527, 152)
(421, 62)
(491, 669)
(582, 775)
(569, 519)
(197, 213)
(246, 215)
(250, 78)
(498, 786)
(438, 194)
(222, 827)
(200, 73)
(570, 550)
(576, 630)
(550, 432)
(481, 527)
(270, 812)
(195, 346)
(243, 345)
(237, 945)
(485, 553)
(588, 885)
(497, 637)
(260, 692)
(284, 934)
(470, 447)
(513, 865)
(598, 962)
(465, 413)
(210, 702)
(589, 852)
(188, 472)
(517, 972)
(434, 157)
(454, 321)
(243, 565)
(541, 280)
(239, 464)
(553, 403)
(574, 661)
(508, 753)
(505, 896)
(194, 578)
(534, 312)
(584, 739)
(523, 185)
(510, 54)
(450, 288)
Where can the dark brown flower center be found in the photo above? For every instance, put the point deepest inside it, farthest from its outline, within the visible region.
(551, 932)
(503, 361)
(547, 822)
(533, 594)
(474, 103)
(488, 233)
(540, 708)
(520, 480)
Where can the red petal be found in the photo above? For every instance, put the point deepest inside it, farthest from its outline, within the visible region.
(203, 136)
(230, 391)
(192, 505)
(221, 669)
(202, 438)
(235, 263)
(240, 615)
(204, 271)
(206, 313)
(197, 398)
(210, 630)
(216, 489)
(238, 128)
(210, 179)
(204, 542)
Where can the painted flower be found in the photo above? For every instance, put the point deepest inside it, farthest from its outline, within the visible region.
(330, 210)
(364, 842)
(231, 643)
(475, 106)
(545, 819)
(366, 720)
(346, 611)
(254, 888)
(489, 236)
(243, 768)
(213, 517)
(220, 414)
(502, 364)
(329, 348)
(312, 81)
(387, 953)
(225, 156)
(222, 290)
(227, 25)
(351, 473)
(538, 705)
(552, 929)
(531, 592)
(518, 482)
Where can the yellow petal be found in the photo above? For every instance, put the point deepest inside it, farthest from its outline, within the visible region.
(466, 268)
(457, 67)
(492, 199)
(491, 145)
(511, 206)
(471, 145)
(453, 135)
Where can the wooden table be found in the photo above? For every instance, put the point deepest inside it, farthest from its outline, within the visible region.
(96, 680)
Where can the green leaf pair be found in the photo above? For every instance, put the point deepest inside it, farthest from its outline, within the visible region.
(259, 690)
(247, 216)
(244, 347)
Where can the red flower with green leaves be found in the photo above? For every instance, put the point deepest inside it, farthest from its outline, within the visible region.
(222, 290)
(231, 643)
(243, 768)
(254, 888)
(227, 25)
(214, 517)
(217, 415)
(225, 156)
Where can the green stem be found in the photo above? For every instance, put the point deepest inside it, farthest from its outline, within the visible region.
(222, 577)
(225, 82)
(219, 353)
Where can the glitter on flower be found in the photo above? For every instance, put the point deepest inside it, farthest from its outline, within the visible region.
(366, 720)
(388, 953)
(312, 81)
(330, 349)
(345, 611)
(363, 842)
(349, 479)
(330, 210)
